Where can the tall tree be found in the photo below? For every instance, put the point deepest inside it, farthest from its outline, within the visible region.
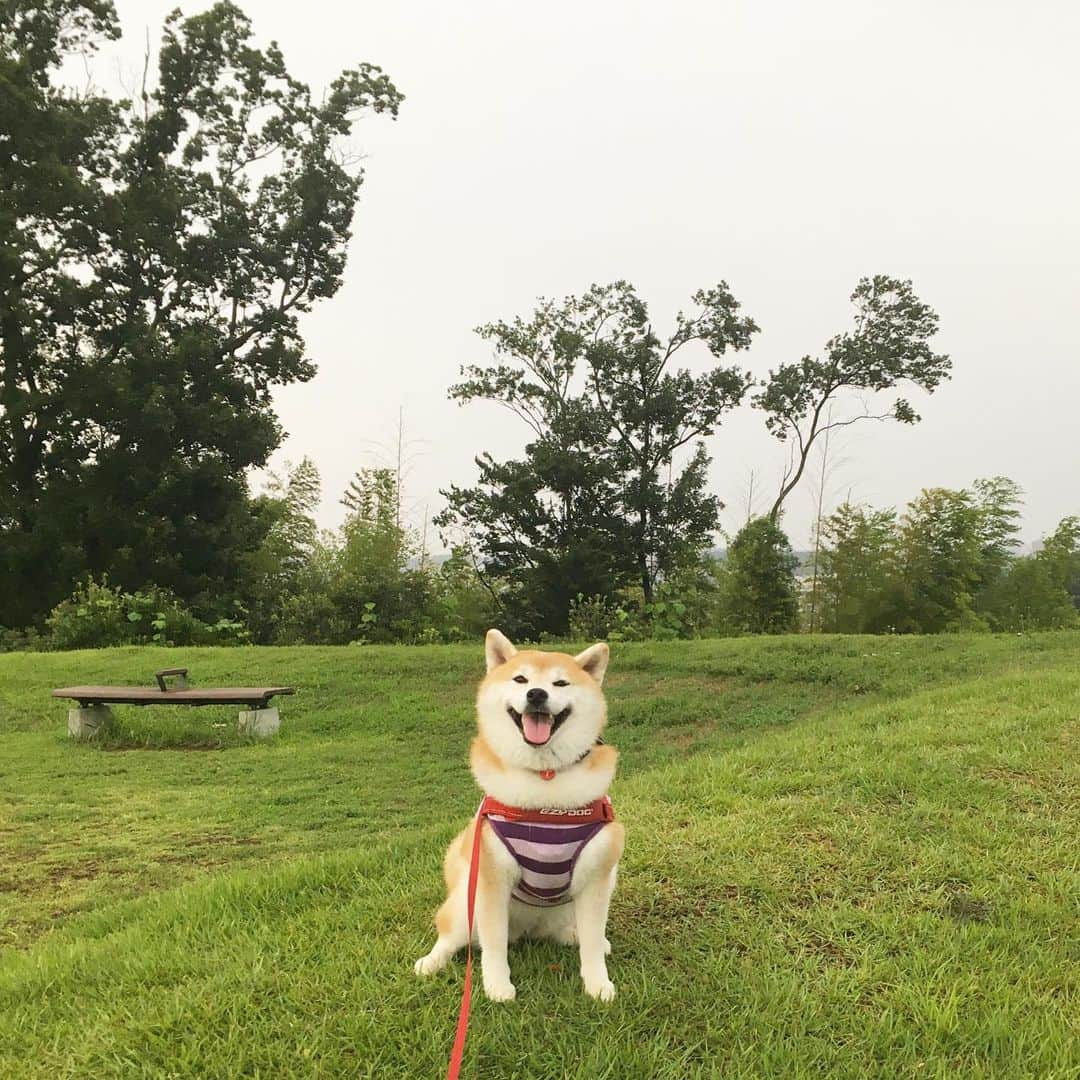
(153, 265)
(277, 569)
(762, 594)
(939, 563)
(999, 500)
(377, 595)
(888, 345)
(857, 564)
(545, 525)
(1061, 551)
(598, 501)
(654, 409)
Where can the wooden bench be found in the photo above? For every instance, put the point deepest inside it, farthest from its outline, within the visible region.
(256, 718)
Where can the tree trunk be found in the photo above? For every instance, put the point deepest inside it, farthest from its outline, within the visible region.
(26, 451)
(642, 552)
(646, 578)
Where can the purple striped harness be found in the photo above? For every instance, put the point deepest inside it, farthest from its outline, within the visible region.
(546, 852)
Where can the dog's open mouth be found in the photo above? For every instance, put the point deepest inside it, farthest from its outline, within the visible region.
(537, 727)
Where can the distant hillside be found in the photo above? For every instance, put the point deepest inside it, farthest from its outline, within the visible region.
(805, 567)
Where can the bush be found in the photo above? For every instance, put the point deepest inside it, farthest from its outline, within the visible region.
(27, 640)
(98, 616)
(592, 618)
(686, 605)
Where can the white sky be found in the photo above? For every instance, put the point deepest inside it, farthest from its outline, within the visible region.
(788, 148)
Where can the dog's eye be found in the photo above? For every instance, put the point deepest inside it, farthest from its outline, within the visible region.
(560, 682)
(520, 678)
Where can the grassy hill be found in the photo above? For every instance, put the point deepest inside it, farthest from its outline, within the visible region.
(846, 857)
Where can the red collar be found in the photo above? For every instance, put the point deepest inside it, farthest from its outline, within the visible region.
(600, 810)
(549, 774)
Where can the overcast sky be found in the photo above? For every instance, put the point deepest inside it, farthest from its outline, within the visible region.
(787, 148)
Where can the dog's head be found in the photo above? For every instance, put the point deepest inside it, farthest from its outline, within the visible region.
(541, 710)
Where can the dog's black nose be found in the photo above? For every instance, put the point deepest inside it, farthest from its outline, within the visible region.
(537, 696)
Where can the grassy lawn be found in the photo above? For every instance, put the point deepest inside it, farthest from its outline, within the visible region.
(845, 857)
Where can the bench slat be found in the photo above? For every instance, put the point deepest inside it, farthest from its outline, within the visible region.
(145, 695)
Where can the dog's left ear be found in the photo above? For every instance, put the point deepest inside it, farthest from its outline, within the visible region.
(594, 660)
(497, 648)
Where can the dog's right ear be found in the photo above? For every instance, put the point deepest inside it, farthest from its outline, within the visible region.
(498, 649)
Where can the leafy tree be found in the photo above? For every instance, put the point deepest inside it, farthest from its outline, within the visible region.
(361, 584)
(276, 570)
(856, 563)
(596, 502)
(761, 590)
(999, 500)
(889, 345)
(940, 552)
(1061, 551)
(546, 525)
(153, 264)
(463, 608)
(1028, 596)
(540, 539)
(1039, 592)
(653, 410)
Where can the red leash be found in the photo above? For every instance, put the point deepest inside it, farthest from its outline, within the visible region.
(466, 993)
(601, 810)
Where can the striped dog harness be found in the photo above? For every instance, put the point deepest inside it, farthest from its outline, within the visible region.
(546, 845)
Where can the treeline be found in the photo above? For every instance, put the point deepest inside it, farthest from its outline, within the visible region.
(370, 581)
(948, 563)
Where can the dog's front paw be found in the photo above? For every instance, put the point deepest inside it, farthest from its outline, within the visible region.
(499, 990)
(602, 990)
(428, 965)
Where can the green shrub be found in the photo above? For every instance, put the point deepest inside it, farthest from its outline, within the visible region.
(98, 616)
(592, 618)
(26, 640)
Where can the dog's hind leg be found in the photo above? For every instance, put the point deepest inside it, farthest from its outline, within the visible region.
(453, 926)
(561, 927)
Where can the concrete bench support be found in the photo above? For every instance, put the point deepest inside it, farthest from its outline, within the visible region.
(262, 723)
(86, 722)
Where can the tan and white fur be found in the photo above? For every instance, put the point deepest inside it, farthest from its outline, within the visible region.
(507, 766)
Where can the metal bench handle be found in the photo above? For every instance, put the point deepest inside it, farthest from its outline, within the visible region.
(164, 673)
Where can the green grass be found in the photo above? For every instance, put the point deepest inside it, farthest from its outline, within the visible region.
(845, 857)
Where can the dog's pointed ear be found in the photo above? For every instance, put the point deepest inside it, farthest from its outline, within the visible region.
(594, 660)
(497, 648)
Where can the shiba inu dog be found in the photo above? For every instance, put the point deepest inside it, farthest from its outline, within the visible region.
(549, 847)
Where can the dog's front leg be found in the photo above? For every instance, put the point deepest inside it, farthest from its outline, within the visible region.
(590, 912)
(493, 932)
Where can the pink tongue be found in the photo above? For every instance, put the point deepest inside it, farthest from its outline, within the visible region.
(537, 728)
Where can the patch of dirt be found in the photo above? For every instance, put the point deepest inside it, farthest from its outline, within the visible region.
(203, 849)
(190, 859)
(670, 906)
(682, 738)
(1049, 779)
(802, 899)
(964, 908)
(123, 749)
(228, 839)
(828, 951)
(56, 875)
(819, 839)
